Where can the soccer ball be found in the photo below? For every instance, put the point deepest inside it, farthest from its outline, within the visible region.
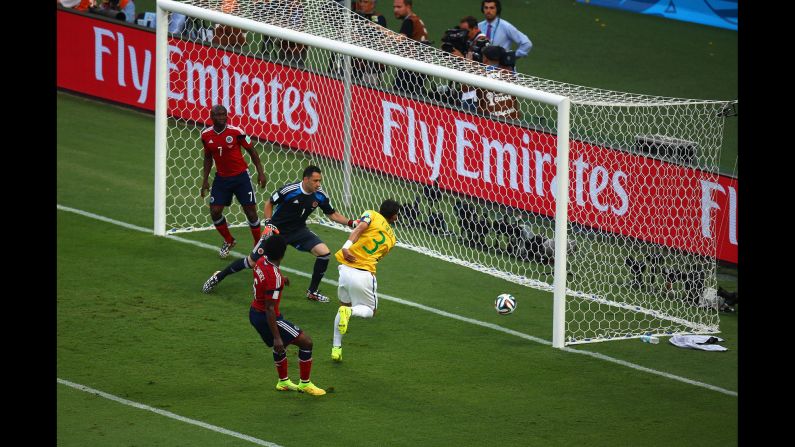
(505, 304)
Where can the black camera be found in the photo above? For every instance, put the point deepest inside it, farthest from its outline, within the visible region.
(508, 59)
(455, 38)
(477, 49)
(108, 12)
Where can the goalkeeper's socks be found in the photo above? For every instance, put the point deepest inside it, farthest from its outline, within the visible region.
(234, 267)
(305, 363)
(222, 228)
(256, 230)
(321, 264)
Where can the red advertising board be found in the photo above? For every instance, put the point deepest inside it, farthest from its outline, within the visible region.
(612, 190)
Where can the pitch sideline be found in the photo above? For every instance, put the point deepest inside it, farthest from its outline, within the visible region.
(429, 309)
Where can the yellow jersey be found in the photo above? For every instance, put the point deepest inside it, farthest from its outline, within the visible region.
(373, 244)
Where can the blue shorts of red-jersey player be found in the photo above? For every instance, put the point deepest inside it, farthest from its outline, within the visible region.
(287, 330)
(239, 185)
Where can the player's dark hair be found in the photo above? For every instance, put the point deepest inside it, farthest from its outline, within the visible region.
(389, 208)
(497, 2)
(471, 21)
(275, 246)
(311, 169)
(408, 3)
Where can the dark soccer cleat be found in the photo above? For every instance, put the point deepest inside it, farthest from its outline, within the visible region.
(226, 248)
(316, 296)
(210, 284)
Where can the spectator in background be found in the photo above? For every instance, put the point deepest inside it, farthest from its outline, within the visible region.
(413, 28)
(500, 31)
(366, 9)
(476, 41)
(369, 72)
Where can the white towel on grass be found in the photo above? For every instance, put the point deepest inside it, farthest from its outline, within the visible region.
(697, 342)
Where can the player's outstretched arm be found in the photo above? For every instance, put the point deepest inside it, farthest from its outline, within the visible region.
(339, 218)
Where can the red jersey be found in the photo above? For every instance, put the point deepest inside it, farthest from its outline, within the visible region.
(268, 285)
(225, 148)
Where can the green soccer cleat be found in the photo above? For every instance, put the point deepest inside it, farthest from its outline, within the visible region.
(310, 388)
(336, 353)
(345, 316)
(286, 385)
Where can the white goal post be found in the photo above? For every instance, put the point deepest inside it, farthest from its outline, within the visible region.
(312, 94)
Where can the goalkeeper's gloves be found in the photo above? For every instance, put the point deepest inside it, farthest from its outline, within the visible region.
(353, 223)
(269, 230)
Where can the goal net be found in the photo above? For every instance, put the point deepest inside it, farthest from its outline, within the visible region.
(470, 155)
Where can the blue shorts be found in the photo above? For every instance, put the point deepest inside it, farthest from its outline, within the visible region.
(239, 185)
(302, 239)
(287, 331)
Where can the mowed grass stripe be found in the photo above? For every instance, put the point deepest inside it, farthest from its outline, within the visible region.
(429, 309)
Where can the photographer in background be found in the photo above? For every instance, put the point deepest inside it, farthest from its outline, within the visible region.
(498, 105)
(366, 71)
(117, 9)
(467, 42)
(476, 40)
(412, 27)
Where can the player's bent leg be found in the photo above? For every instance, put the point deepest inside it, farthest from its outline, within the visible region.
(362, 311)
(234, 267)
(321, 251)
(344, 313)
(210, 284)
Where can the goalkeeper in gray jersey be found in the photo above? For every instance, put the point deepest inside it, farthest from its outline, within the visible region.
(286, 213)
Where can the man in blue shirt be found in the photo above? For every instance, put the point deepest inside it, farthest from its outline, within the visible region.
(500, 32)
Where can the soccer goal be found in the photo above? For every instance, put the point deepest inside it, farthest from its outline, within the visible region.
(596, 196)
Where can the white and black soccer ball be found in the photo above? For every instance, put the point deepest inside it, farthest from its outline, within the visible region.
(505, 304)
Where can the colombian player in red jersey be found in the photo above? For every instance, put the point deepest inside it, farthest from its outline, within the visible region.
(222, 144)
(274, 330)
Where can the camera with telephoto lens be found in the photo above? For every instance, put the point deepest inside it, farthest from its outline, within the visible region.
(477, 48)
(455, 38)
(508, 59)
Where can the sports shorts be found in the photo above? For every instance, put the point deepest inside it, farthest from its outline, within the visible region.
(287, 330)
(357, 287)
(225, 187)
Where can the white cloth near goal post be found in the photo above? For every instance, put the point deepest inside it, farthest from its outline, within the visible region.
(697, 342)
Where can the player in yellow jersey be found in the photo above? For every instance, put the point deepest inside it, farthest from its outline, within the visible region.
(367, 244)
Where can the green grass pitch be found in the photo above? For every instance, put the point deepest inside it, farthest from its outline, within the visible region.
(132, 321)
